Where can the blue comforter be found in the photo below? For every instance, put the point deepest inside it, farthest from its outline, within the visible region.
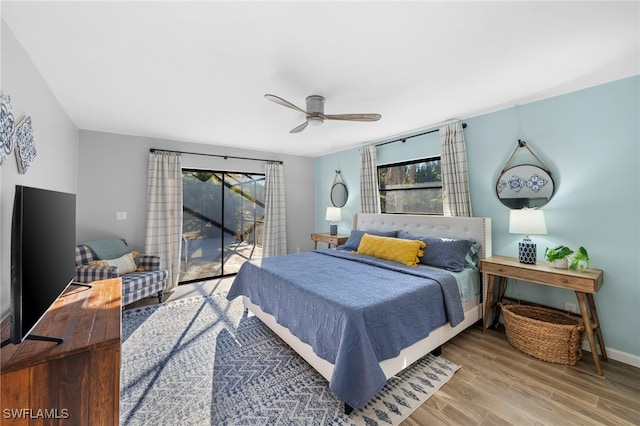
(353, 310)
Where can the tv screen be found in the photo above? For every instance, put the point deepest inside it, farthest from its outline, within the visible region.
(43, 239)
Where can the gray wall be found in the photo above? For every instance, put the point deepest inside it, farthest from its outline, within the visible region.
(56, 142)
(113, 178)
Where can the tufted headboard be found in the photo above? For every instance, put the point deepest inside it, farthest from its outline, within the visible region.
(477, 228)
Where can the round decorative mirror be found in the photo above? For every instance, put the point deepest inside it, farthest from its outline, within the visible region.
(339, 192)
(525, 186)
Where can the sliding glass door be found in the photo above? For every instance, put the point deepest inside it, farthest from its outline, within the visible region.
(223, 222)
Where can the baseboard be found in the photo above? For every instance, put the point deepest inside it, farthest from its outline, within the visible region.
(616, 355)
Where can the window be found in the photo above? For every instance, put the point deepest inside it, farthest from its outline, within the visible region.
(412, 187)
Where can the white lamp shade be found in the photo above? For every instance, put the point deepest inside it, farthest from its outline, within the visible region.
(527, 222)
(333, 214)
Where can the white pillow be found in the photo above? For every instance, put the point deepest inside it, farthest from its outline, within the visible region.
(125, 263)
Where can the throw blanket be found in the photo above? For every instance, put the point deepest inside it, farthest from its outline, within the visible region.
(353, 310)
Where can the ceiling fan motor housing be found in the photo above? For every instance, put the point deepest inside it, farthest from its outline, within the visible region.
(315, 107)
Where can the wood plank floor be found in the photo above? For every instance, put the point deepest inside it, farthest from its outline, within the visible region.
(499, 385)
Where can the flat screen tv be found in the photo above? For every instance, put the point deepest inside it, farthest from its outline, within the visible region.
(43, 239)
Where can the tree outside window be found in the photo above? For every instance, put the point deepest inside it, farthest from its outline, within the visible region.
(412, 187)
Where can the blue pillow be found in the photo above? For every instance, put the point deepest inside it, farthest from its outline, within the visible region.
(471, 259)
(446, 253)
(109, 249)
(354, 238)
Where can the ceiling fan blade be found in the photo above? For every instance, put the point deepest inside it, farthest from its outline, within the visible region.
(352, 117)
(279, 100)
(299, 128)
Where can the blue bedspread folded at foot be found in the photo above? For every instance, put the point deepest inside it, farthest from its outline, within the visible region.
(353, 310)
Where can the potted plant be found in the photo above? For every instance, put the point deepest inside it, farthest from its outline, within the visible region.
(558, 256)
(580, 259)
(563, 257)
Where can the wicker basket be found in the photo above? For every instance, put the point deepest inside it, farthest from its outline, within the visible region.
(543, 333)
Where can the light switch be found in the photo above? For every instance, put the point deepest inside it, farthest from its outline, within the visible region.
(121, 215)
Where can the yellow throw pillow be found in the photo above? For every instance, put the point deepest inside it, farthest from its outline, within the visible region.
(125, 263)
(407, 252)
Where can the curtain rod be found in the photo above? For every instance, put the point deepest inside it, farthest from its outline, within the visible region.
(404, 139)
(215, 155)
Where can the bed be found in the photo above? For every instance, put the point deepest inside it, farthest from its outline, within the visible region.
(336, 308)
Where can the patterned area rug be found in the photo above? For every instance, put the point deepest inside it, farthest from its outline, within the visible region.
(200, 361)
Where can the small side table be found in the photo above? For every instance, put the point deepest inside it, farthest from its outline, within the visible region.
(330, 240)
(584, 283)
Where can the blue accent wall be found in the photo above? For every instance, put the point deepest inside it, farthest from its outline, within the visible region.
(590, 140)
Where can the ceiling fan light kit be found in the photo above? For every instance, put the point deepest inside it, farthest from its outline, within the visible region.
(315, 112)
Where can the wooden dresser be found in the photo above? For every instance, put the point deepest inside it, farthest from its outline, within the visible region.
(77, 381)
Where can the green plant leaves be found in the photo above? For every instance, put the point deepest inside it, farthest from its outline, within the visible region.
(579, 259)
(556, 253)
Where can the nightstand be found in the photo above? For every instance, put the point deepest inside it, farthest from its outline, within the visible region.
(330, 240)
(584, 283)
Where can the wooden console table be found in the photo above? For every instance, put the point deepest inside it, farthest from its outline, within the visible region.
(74, 382)
(335, 240)
(584, 283)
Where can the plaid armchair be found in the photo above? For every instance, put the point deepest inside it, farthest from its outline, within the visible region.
(103, 259)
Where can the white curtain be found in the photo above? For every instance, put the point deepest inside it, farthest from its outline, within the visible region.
(369, 197)
(164, 212)
(455, 175)
(275, 219)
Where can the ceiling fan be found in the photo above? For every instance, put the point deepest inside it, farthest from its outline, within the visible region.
(315, 112)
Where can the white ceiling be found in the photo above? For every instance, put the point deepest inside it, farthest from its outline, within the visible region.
(198, 71)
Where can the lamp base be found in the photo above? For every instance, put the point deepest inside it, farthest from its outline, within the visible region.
(527, 251)
(333, 229)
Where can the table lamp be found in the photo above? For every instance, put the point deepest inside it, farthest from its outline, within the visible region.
(333, 215)
(527, 222)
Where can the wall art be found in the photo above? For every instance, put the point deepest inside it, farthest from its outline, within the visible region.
(7, 124)
(24, 144)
